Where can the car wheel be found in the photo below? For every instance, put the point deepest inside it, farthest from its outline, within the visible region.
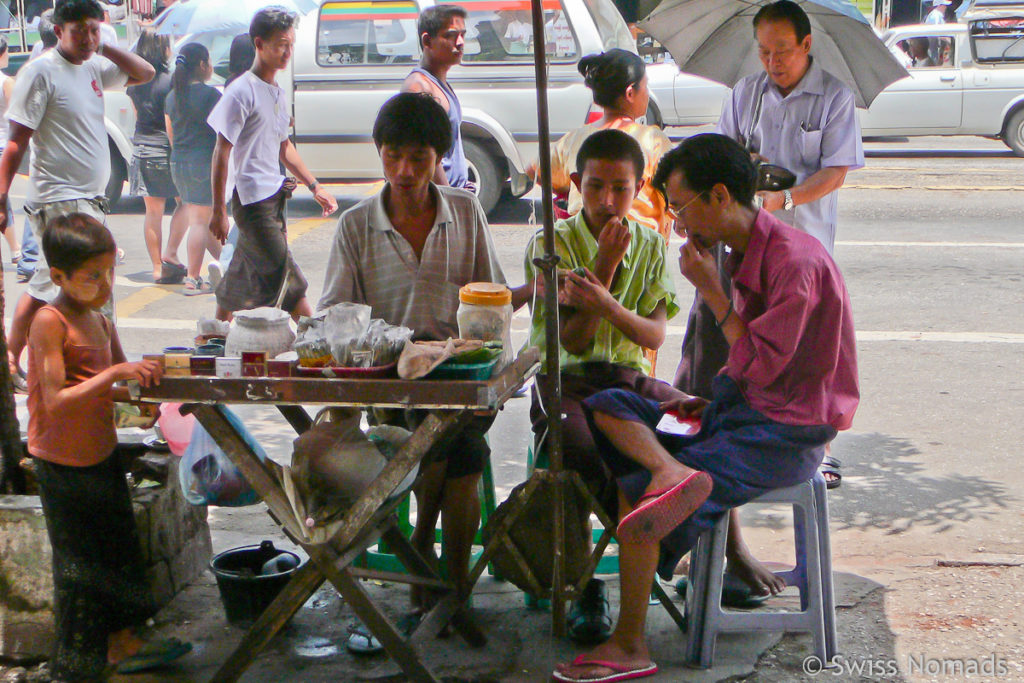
(1014, 134)
(118, 174)
(483, 170)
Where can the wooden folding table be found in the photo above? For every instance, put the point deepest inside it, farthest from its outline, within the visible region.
(450, 405)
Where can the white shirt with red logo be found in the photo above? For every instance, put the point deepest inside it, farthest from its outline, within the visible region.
(63, 103)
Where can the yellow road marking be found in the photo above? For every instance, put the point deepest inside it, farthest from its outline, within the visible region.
(136, 301)
(304, 225)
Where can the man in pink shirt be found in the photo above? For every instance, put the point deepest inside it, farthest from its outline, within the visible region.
(789, 384)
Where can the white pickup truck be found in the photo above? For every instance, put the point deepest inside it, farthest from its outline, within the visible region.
(351, 55)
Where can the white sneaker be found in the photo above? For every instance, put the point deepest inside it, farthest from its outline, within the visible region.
(214, 274)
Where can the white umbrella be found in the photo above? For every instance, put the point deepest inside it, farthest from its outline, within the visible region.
(715, 39)
(204, 16)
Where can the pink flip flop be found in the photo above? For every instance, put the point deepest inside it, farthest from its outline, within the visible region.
(622, 672)
(650, 522)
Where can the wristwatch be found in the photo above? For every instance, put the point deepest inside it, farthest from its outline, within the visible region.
(788, 203)
(313, 185)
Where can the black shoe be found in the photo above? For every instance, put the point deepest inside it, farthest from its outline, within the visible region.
(590, 618)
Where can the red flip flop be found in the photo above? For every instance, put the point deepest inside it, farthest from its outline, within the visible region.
(621, 672)
(650, 522)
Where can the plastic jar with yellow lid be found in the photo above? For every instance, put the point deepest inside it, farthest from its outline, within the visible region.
(485, 312)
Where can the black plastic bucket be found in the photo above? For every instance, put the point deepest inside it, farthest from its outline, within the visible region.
(244, 590)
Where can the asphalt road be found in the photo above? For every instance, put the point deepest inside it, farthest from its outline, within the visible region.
(931, 242)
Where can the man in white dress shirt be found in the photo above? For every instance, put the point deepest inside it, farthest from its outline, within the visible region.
(808, 121)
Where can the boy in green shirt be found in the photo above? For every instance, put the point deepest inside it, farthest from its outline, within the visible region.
(608, 316)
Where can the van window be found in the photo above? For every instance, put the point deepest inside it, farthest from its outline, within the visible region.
(352, 32)
(926, 52)
(610, 25)
(506, 34)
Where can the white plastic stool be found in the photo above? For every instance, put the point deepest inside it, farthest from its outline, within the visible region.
(812, 575)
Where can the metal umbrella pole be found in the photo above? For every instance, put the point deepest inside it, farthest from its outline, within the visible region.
(551, 388)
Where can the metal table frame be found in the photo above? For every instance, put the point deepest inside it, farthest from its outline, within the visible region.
(451, 404)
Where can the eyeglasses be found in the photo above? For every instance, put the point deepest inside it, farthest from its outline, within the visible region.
(677, 214)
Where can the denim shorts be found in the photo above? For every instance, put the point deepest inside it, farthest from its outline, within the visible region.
(192, 178)
(150, 176)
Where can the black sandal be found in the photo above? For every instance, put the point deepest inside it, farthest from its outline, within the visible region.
(171, 273)
(830, 466)
(590, 618)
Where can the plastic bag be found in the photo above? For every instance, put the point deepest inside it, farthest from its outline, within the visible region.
(175, 428)
(206, 474)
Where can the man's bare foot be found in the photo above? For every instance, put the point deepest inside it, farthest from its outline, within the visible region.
(633, 657)
(754, 574)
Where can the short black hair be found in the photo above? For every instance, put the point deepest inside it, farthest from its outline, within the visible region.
(435, 19)
(611, 145)
(709, 159)
(47, 36)
(271, 20)
(413, 118)
(3, 45)
(608, 74)
(72, 11)
(72, 239)
(785, 10)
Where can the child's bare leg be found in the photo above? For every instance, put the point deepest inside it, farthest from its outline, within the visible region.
(744, 566)
(637, 565)
(638, 442)
(152, 230)
(177, 232)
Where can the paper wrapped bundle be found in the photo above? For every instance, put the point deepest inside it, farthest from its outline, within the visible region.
(419, 358)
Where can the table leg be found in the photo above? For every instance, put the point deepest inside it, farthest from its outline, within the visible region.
(451, 607)
(298, 590)
(398, 648)
(297, 417)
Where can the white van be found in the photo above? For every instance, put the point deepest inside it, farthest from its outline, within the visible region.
(352, 55)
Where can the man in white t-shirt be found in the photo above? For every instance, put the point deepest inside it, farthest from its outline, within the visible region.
(252, 120)
(57, 104)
